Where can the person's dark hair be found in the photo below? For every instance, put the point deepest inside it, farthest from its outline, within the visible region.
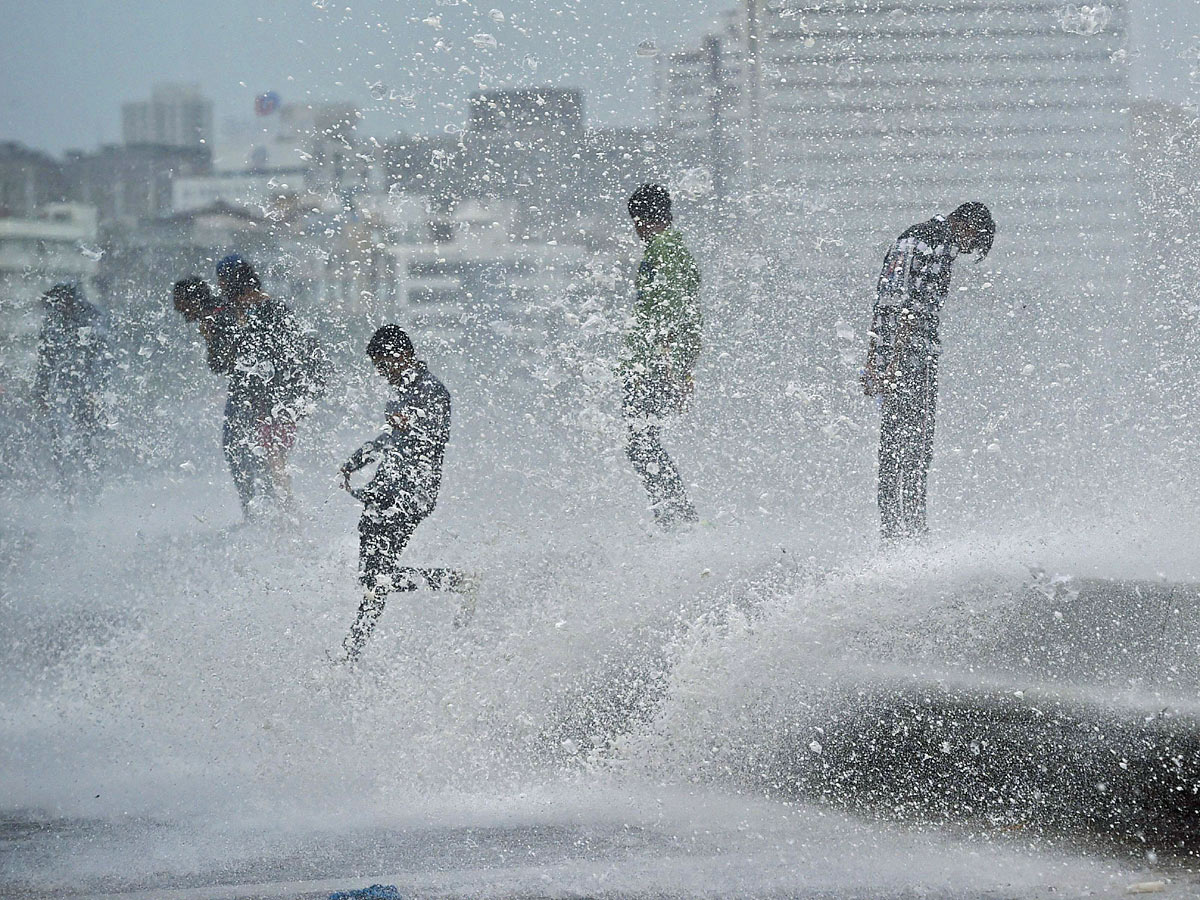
(238, 275)
(651, 205)
(63, 292)
(390, 340)
(193, 298)
(978, 217)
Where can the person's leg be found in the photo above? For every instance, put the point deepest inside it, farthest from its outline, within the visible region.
(280, 477)
(910, 448)
(236, 445)
(891, 440)
(381, 541)
(277, 440)
(924, 408)
(660, 478)
(364, 622)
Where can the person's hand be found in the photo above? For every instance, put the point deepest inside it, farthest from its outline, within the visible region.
(345, 477)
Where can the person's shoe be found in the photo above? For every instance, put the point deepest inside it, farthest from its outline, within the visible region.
(676, 517)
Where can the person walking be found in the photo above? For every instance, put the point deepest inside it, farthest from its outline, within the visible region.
(902, 358)
(403, 490)
(73, 359)
(662, 344)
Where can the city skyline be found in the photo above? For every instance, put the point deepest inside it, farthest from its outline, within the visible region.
(313, 55)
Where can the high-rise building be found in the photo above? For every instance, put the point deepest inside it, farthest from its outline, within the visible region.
(537, 109)
(864, 116)
(176, 115)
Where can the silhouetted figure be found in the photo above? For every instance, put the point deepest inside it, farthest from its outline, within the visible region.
(276, 373)
(902, 362)
(404, 488)
(661, 347)
(73, 361)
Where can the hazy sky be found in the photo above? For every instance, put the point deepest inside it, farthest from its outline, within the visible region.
(67, 65)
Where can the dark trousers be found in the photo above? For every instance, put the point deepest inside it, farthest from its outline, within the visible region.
(74, 429)
(381, 540)
(660, 478)
(247, 461)
(906, 450)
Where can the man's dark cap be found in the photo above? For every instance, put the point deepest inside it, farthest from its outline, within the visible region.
(651, 204)
(980, 218)
(390, 340)
(236, 272)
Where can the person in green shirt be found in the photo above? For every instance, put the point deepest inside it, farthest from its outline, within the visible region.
(662, 344)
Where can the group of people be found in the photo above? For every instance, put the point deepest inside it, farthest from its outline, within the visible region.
(278, 371)
(664, 340)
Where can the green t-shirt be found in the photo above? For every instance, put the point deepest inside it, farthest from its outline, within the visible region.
(663, 340)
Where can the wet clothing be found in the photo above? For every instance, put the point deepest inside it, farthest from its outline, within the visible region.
(268, 365)
(380, 543)
(906, 450)
(661, 348)
(410, 454)
(268, 358)
(663, 340)
(911, 292)
(247, 459)
(402, 492)
(664, 486)
(73, 361)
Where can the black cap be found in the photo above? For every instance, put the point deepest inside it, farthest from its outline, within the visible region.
(390, 340)
(651, 204)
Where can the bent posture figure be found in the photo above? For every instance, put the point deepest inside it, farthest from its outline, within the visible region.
(276, 374)
(405, 486)
(661, 348)
(902, 362)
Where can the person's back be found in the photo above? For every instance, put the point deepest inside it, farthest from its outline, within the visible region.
(268, 358)
(911, 292)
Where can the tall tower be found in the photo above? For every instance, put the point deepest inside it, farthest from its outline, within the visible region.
(865, 116)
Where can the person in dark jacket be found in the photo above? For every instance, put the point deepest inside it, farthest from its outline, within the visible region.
(269, 360)
(902, 359)
(195, 301)
(73, 359)
(403, 490)
(662, 344)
